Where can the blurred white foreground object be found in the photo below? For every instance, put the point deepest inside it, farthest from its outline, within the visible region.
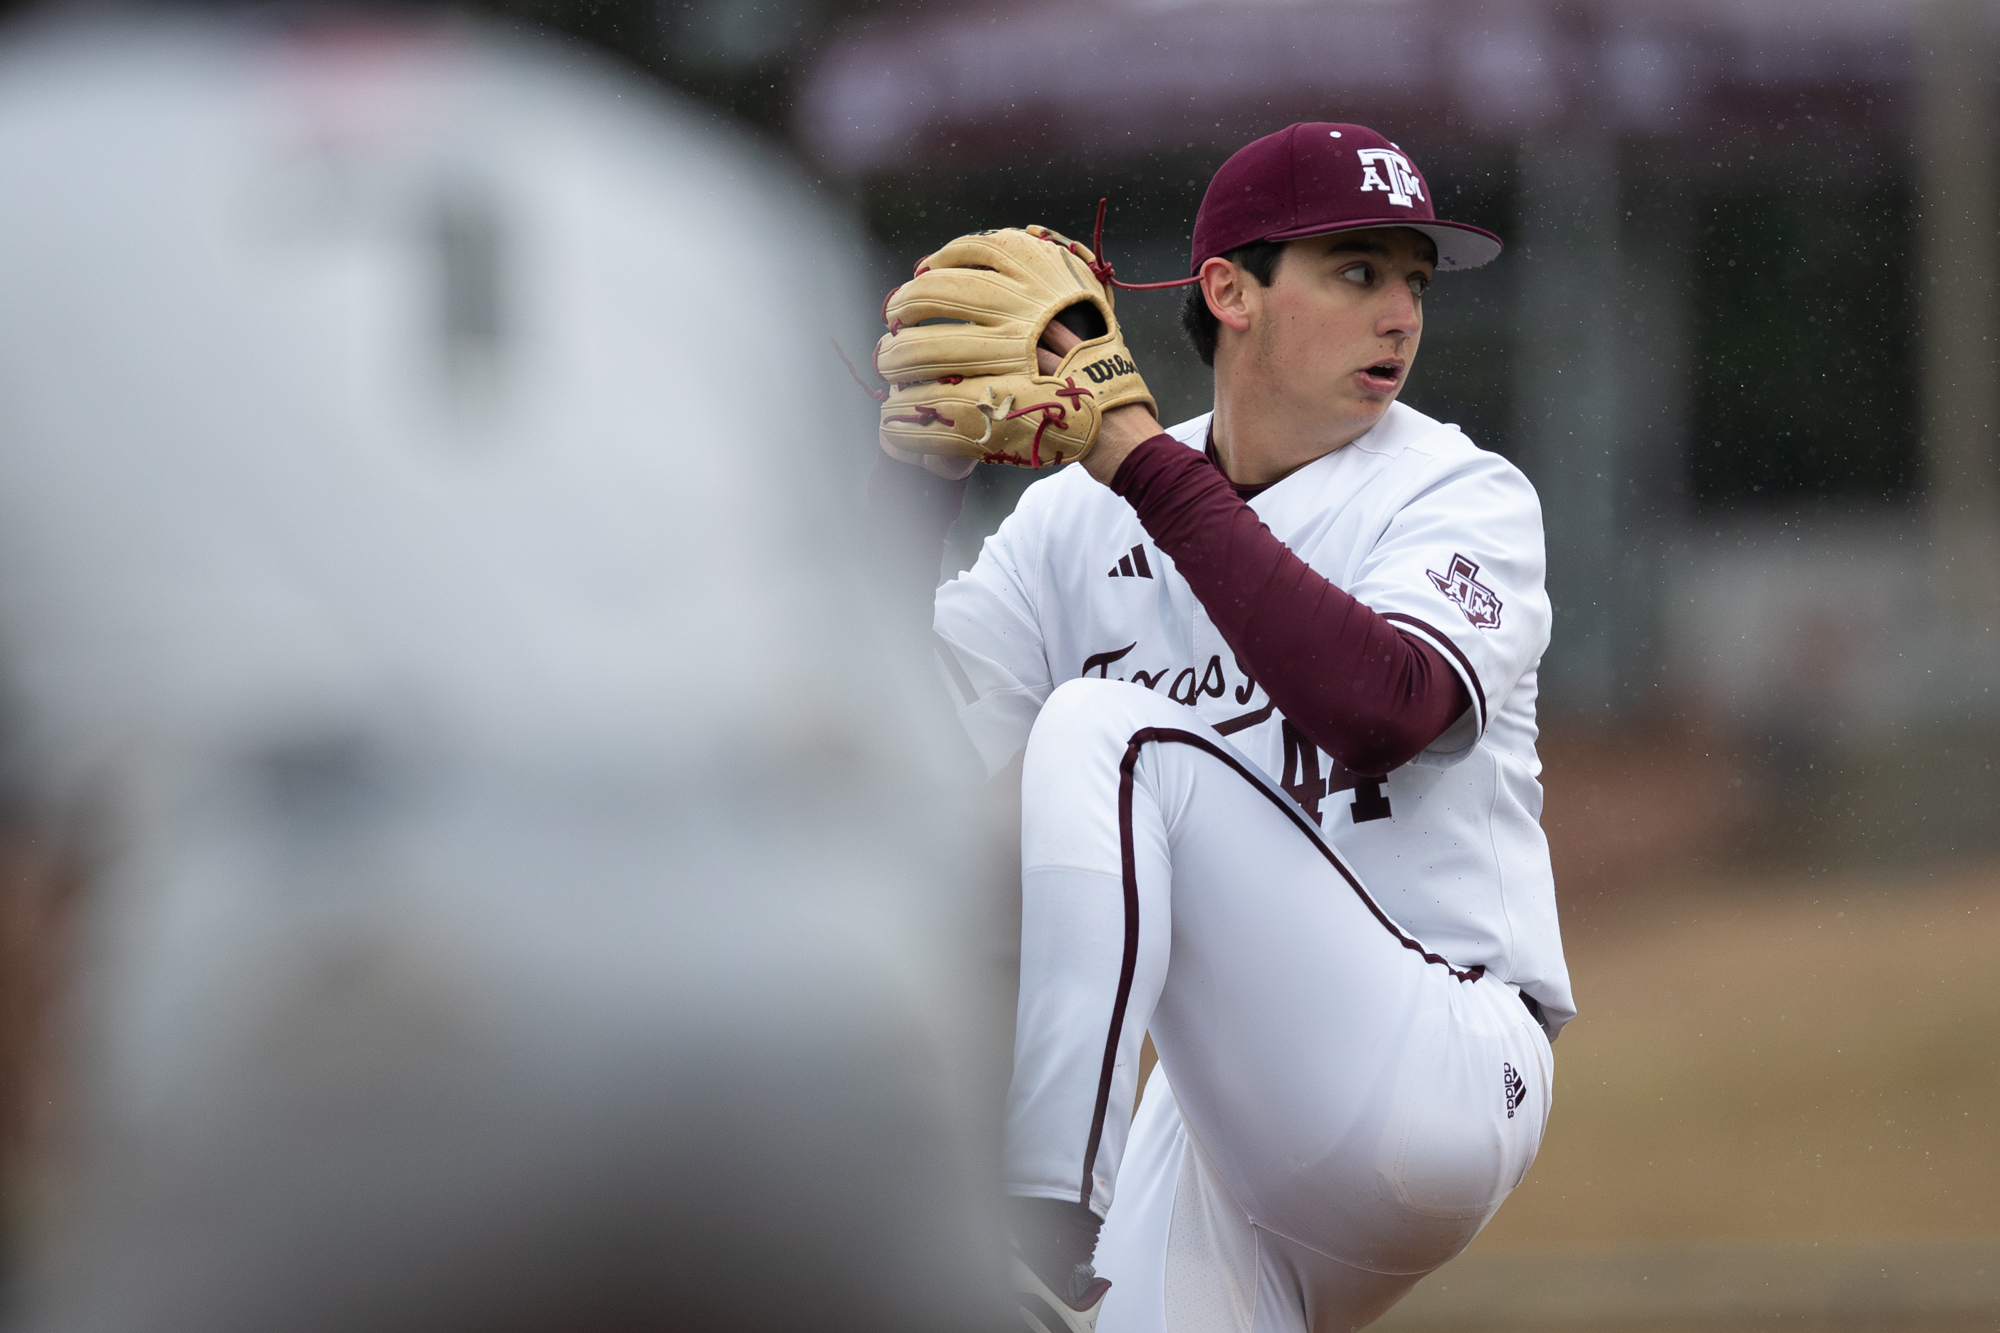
(511, 907)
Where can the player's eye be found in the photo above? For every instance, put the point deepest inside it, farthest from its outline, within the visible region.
(1419, 284)
(1361, 275)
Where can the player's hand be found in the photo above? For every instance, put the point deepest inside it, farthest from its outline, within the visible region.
(1121, 430)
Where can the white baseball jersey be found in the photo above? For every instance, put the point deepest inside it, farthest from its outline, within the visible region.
(1412, 519)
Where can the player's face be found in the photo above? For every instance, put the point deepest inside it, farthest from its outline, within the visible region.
(1341, 319)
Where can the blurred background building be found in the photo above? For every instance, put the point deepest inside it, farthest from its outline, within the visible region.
(1743, 341)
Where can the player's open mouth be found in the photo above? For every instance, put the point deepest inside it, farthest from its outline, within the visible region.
(1383, 376)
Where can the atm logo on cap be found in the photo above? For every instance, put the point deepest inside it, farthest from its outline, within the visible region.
(1402, 184)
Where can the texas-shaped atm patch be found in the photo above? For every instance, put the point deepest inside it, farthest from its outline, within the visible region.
(1459, 582)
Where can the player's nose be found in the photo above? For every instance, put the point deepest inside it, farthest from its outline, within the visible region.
(1399, 315)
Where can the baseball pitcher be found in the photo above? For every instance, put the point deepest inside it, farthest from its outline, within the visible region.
(1269, 676)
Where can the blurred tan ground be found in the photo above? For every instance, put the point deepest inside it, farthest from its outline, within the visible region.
(1774, 1053)
(1776, 1056)
(1780, 1107)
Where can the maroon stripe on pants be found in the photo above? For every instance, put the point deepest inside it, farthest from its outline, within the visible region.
(1129, 868)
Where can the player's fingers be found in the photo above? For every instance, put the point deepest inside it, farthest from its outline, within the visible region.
(1059, 339)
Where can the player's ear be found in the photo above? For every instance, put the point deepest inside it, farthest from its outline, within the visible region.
(1226, 289)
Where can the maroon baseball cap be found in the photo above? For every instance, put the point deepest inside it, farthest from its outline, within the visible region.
(1315, 178)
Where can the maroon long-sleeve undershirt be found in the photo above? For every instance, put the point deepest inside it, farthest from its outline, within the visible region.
(1360, 689)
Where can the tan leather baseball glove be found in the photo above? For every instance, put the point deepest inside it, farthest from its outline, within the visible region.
(960, 352)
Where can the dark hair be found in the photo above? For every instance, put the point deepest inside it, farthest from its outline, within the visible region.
(1260, 260)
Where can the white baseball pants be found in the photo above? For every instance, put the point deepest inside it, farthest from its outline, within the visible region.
(1346, 1109)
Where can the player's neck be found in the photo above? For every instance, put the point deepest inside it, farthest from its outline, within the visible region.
(1261, 438)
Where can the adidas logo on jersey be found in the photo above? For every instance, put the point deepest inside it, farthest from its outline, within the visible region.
(1132, 565)
(1517, 1088)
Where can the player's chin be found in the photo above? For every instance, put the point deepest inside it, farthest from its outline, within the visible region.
(1368, 405)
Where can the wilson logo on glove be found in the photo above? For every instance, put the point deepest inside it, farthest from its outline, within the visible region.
(1110, 366)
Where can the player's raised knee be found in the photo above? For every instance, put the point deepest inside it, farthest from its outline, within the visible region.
(1114, 706)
